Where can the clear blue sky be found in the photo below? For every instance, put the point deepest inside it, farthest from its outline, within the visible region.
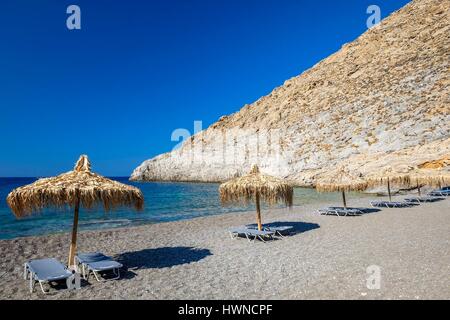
(137, 70)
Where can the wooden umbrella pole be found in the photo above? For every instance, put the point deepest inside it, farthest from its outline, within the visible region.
(258, 212)
(344, 200)
(389, 190)
(73, 244)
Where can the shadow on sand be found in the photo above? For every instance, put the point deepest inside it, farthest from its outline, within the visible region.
(162, 257)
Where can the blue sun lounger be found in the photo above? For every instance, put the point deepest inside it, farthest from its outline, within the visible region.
(390, 204)
(45, 271)
(340, 211)
(251, 233)
(95, 263)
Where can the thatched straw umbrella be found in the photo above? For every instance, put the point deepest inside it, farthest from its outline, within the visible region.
(256, 186)
(389, 176)
(76, 188)
(409, 177)
(341, 180)
(430, 177)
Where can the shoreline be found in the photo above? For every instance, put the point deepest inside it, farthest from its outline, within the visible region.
(326, 258)
(125, 221)
(149, 223)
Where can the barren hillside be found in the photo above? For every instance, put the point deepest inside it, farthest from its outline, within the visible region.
(381, 98)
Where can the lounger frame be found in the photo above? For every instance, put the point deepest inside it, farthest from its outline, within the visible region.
(338, 211)
(390, 204)
(421, 199)
(439, 194)
(28, 274)
(277, 230)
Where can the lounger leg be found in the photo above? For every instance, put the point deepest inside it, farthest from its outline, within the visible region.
(31, 285)
(77, 266)
(87, 273)
(96, 276)
(42, 287)
(234, 235)
(83, 267)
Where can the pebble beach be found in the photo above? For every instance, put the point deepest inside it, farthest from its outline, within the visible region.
(326, 257)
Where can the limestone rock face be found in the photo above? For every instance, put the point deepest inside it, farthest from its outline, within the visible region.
(382, 99)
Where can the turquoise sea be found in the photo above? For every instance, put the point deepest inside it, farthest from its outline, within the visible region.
(163, 202)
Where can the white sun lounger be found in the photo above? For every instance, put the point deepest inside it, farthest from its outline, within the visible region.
(249, 233)
(45, 271)
(95, 263)
(421, 199)
(439, 193)
(340, 211)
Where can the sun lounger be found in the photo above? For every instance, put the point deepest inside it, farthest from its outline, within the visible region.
(280, 231)
(421, 199)
(359, 210)
(96, 263)
(251, 233)
(45, 271)
(390, 204)
(440, 193)
(340, 211)
(437, 194)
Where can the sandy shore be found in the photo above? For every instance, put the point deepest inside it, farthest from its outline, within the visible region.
(326, 258)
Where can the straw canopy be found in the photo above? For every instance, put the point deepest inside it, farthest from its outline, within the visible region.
(399, 175)
(430, 177)
(341, 180)
(411, 177)
(67, 189)
(245, 189)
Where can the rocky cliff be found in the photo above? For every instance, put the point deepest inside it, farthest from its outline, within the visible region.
(381, 99)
